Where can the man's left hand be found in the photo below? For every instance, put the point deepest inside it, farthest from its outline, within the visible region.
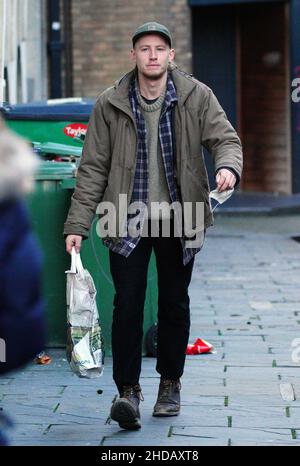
(225, 179)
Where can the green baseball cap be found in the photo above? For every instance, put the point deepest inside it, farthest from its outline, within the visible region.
(152, 28)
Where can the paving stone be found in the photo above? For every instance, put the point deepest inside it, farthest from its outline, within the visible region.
(26, 431)
(256, 412)
(42, 442)
(257, 357)
(176, 442)
(5, 381)
(238, 400)
(58, 418)
(258, 388)
(238, 435)
(74, 432)
(266, 422)
(209, 415)
(251, 374)
(203, 400)
(40, 389)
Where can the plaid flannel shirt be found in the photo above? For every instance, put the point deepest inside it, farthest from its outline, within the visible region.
(140, 187)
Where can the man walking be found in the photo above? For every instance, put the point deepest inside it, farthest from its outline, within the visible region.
(144, 140)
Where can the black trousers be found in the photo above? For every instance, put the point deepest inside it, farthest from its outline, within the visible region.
(130, 280)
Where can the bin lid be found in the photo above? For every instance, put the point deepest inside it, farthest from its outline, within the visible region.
(57, 148)
(49, 170)
(45, 110)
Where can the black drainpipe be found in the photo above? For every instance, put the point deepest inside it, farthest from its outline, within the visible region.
(54, 48)
(67, 14)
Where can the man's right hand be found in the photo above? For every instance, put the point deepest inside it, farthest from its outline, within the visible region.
(73, 240)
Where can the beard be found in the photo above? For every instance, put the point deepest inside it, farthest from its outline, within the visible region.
(154, 76)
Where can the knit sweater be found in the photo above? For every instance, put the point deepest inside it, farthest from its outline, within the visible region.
(157, 182)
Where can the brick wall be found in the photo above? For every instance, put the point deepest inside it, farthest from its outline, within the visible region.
(102, 31)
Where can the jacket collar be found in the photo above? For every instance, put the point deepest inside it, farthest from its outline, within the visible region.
(183, 82)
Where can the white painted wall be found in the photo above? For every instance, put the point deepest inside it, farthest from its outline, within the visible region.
(23, 51)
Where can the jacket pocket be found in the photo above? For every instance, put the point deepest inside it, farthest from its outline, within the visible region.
(197, 181)
(124, 145)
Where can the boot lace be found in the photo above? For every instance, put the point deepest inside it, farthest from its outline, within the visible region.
(132, 390)
(166, 385)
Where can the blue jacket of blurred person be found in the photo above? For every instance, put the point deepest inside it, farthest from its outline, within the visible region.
(22, 324)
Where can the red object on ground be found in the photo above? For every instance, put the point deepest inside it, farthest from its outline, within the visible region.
(43, 358)
(200, 346)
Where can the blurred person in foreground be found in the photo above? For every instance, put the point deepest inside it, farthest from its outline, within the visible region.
(144, 141)
(22, 325)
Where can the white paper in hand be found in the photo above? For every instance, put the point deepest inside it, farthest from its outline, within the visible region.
(220, 197)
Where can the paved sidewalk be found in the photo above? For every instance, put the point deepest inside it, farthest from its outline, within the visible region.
(245, 300)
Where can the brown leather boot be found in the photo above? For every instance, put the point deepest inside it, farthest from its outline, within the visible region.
(168, 399)
(125, 410)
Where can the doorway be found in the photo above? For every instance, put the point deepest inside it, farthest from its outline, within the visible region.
(241, 52)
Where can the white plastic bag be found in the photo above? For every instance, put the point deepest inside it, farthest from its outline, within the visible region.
(85, 350)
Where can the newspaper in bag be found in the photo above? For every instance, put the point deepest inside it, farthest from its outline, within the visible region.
(85, 350)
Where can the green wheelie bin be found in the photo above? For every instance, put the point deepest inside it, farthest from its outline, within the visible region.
(48, 206)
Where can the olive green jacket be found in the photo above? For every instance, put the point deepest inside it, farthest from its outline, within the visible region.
(107, 166)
